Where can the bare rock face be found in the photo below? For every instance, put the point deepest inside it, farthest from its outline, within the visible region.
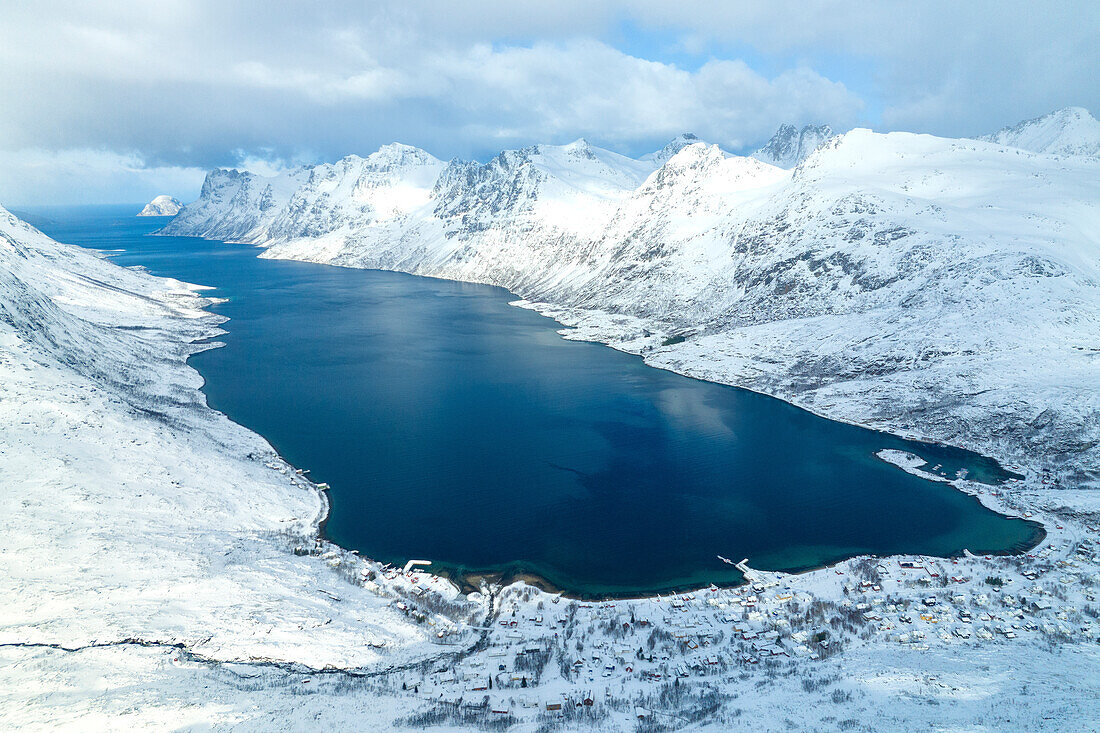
(162, 206)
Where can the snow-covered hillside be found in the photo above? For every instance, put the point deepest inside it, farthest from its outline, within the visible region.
(162, 568)
(1068, 131)
(938, 287)
(131, 513)
(162, 205)
(789, 146)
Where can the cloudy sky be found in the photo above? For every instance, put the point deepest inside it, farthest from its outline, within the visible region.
(120, 101)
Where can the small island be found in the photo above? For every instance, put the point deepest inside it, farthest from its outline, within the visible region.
(163, 205)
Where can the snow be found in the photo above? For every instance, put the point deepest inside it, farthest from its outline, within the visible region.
(790, 146)
(942, 288)
(678, 143)
(162, 205)
(134, 512)
(908, 462)
(162, 567)
(1068, 131)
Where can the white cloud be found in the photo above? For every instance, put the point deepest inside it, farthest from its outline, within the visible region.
(189, 84)
(34, 176)
(558, 92)
(943, 66)
(265, 162)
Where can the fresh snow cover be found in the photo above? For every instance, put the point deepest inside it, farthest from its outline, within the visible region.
(1069, 131)
(660, 157)
(162, 565)
(162, 205)
(789, 146)
(908, 462)
(131, 512)
(947, 289)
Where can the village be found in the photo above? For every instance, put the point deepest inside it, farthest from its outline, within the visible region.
(517, 653)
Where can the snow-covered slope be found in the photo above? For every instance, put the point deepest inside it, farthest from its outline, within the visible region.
(131, 513)
(160, 569)
(946, 288)
(304, 202)
(162, 205)
(789, 146)
(464, 217)
(1069, 131)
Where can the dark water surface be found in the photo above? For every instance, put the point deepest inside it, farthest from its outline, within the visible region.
(456, 428)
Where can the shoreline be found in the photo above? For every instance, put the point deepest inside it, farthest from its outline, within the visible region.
(546, 310)
(279, 624)
(470, 581)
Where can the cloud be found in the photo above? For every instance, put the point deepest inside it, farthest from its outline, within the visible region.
(945, 67)
(192, 85)
(37, 176)
(557, 92)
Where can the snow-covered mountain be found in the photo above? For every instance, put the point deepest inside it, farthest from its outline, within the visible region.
(462, 215)
(946, 288)
(162, 567)
(678, 143)
(163, 205)
(1069, 131)
(306, 202)
(789, 146)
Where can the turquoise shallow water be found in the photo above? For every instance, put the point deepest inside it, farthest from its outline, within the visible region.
(457, 428)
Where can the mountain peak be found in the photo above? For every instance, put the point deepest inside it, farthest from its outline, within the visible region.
(163, 205)
(400, 154)
(674, 146)
(1066, 131)
(789, 146)
(1072, 113)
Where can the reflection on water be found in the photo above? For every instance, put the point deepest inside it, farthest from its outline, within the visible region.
(689, 409)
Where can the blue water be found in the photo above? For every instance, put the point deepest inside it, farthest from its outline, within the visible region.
(457, 428)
